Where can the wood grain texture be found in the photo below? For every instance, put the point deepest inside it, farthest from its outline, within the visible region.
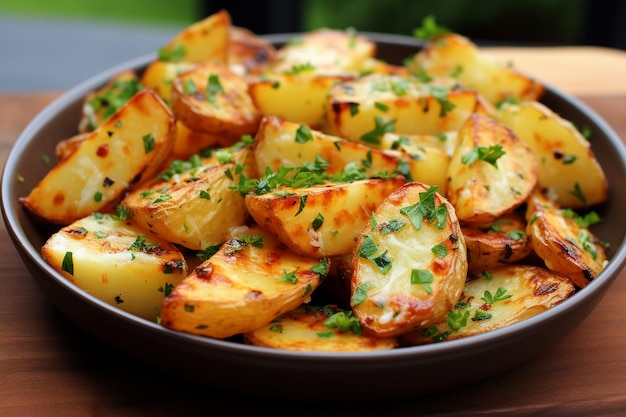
(49, 367)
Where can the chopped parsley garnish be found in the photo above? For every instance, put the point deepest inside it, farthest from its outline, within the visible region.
(360, 294)
(457, 319)
(148, 142)
(141, 245)
(426, 209)
(499, 296)
(114, 97)
(430, 29)
(345, 322)
(578, 193)
(214, 87)
(304, 134)
(381, 127)
(321, 268)
(317, 222)
(241, 242)
(173, 54)
(587, 220)
(68, 263)
(424, 278)
(297, 69)
(440, 250)
(207, 252)
(489, 154)
(369, 249)
(290, 277)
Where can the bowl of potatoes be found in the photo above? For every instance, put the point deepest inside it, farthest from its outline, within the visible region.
(295, 206)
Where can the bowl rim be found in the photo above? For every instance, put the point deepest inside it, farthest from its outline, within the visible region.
(10, 206)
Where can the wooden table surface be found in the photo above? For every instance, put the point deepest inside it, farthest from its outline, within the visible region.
(49, 367)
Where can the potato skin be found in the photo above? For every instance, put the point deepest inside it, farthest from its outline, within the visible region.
(303, 329)
(117, 262)
(481, 191)
(242, 287)
(492, 244)
(428, 266)
(127, 148)
(564, 246)
(498, 298)
(223, 107)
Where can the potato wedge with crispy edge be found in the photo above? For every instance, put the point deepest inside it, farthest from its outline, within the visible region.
(126, 149)
(250, 281)
(190, 142)
(249, 53)
(568, 169)
(410, 267)
(282, 143)
(364, 109)
(210, 98)
(323, 220)
(195, 208)
(298, 96)
(483, 186)
(492, 244)
(100, 104)
(317, 328)
(204, 41)
(117, 262)
(564, 246)
(66, 147)
(496, 299)
(327, 52)
(453, 54)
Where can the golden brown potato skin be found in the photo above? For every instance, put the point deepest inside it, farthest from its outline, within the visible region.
(303, 329)
(128, 148)
(564, 246)
(242, 287)
(425, 269)
(481, 191)
(502, 241)
(498, 298)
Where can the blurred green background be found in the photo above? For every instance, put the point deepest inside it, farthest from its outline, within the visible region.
(547, 21)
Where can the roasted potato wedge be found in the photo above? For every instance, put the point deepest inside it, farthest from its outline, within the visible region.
(190, 142)
(280, 143)
(127, 148)
(117, 262)
(210, 98)
(192, 207)
(248, 53)
(492, 244)
(363, 110)
(204, 41)
(250, 281)
(410, 265)
(298, 96)
(491, 172)
(565, 246)
(327, 52)
(455, 55)
(323, 220)
(99, 105)
(497, 298)
(568, 169)
(66, 147)
(320, 329)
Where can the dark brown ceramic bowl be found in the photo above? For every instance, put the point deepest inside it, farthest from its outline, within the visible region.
(267, 372)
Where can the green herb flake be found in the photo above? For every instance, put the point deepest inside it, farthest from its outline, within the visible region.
(304, 134)
(290, 277)
(175, 53)
(344, 322)
(440, 250)
(97, 197)
(68, 263)
(430, 29)
(457, 319)
(489, 154)
(380, 128)
(213, 88)
(360, 294)
(148, 142)
(424, 278)
(499, 296)
(317, 222)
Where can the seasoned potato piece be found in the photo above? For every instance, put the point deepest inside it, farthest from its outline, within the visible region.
(99, 105)
(204, 41)
(491, 172)
(298, 96)
(192, 206)
(210, 98)
(314, 328)
(364, 109)
(568, 169)
(248, 52)
(159, 76)
(409, 267)
(116, 262)
(281, 143)
(498, 298)
(323, 220)
(453, 54)
(492, 244)
(327, 52)
(250, 281)
(128, 147)
(565, 246)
